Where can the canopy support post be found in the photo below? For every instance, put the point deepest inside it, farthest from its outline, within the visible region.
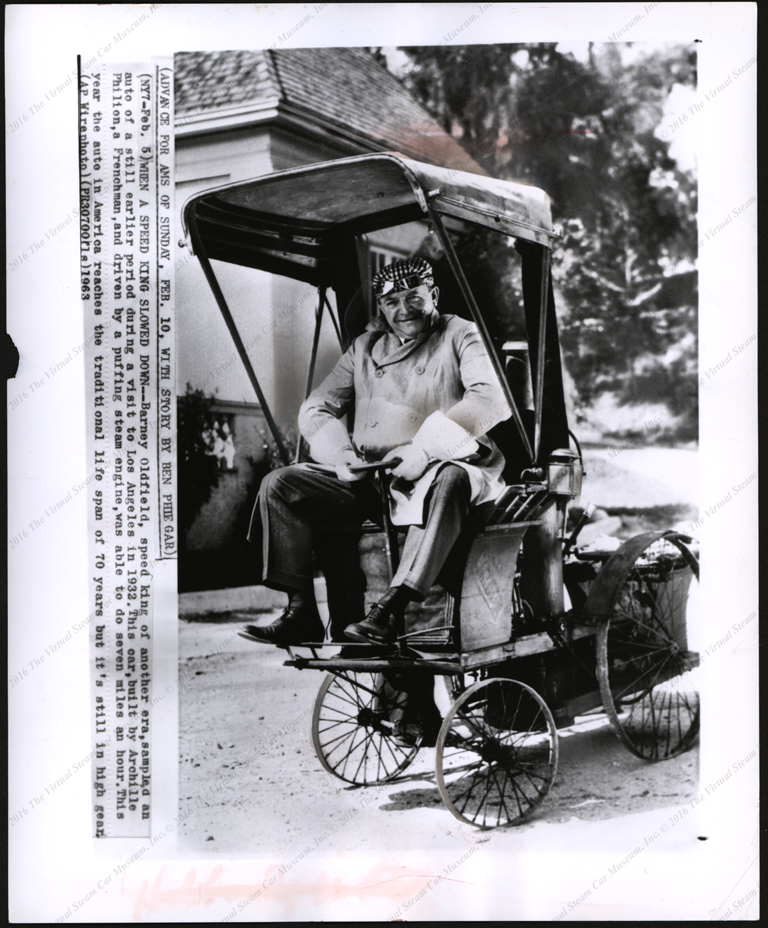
(321, 302)
(333, 318)
(540, 350)
(469, 298)
(202, 257)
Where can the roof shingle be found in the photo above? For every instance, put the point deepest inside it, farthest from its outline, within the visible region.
(341, 89)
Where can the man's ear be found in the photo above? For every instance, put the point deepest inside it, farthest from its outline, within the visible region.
(435, 294)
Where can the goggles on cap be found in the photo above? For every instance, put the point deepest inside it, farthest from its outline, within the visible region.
(403, 275)
(407, 283)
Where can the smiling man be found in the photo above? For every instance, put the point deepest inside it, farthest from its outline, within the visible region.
(419, 387)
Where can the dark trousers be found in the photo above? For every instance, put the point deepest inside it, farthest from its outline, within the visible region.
(301, 510)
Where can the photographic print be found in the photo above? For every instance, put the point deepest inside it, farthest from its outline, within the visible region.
(462, 435)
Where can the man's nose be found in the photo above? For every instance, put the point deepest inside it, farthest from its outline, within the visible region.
(402, 304)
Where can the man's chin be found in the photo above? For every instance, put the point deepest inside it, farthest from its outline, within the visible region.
(409, 329)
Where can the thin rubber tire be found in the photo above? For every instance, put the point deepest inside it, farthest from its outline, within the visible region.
(497, 754)
(645, 669)
(347, 732)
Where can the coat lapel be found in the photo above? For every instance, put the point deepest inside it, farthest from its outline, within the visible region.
(388, 349)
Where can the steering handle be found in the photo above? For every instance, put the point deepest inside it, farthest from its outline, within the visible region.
(376, 465)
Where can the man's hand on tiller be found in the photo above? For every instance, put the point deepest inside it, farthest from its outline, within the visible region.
(413, 464)
(344, 462)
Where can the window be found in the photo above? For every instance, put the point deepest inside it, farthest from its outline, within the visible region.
(381, 257)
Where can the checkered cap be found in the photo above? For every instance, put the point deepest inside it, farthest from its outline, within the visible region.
(403, 275)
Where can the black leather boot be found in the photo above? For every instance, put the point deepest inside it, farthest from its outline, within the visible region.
(300, 623)
(385, 620)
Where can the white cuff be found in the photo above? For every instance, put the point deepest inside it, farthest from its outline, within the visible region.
(444, 439)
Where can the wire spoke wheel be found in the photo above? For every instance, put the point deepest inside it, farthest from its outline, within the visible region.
(496, 753)
(646, 670)
(352, 731)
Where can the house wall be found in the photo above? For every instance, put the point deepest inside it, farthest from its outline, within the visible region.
(275, 316)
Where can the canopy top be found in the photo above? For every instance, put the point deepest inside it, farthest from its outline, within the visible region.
(289, 222)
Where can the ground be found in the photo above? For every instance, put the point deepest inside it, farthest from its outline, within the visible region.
(251, 784)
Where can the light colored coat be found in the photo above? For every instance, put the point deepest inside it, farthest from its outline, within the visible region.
(389, 389)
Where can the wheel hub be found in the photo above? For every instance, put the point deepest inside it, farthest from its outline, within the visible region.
(367, 718)
(492, 751)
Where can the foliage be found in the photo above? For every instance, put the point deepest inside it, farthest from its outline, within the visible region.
(289, 436)
(231, 564)
(198, 468)
(492, 268)
(585, 131)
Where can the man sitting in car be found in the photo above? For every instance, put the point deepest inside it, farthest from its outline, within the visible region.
(419, 387)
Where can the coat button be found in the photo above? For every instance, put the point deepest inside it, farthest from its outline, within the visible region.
(413, 417)
(372, 425)
(419, 370)
(379, 373)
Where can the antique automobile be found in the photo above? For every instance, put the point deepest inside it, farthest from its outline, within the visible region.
(534, 629)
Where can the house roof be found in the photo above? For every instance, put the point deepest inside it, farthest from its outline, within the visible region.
(341, 91)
